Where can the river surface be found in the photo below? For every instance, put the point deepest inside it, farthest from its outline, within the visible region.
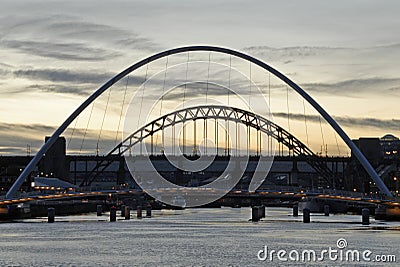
(196, 237)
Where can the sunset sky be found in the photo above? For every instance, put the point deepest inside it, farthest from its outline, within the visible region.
(53, 54)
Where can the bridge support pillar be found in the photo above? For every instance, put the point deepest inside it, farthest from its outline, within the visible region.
(365, 216)
(255, 214)
(122, 210)
(262, 211)
(139, 212)
(51, 213)
(127, 213)
(99, 210)
(326, 210)
(295, 210)
(148, 211)
(306, 215)
(113, 214)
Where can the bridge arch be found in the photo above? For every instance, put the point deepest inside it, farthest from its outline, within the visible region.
(213, 112)
(357, 153)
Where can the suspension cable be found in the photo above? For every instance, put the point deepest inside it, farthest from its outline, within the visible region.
(122, 110)
(205, 121)
(269, 92)
(337, 143)
(248, 128)
(305, 122)
(72, 133)
(237, 140)
(322, 134)
(226, 121)
(161, 104)
(205, 134)
(194, 138)
(141, 105)
(287, 104)
(216, 135)
(248, 140)
(269, 138)
(208, 75)
(250, 87)
(186, 79)
(87, 126)
(163, 90)
(102, 122)
(229, 78)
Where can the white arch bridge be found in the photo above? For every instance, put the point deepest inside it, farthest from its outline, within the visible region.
(247, 118)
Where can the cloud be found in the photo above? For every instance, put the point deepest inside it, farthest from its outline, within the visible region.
(290, 54)
(324, 54)
(388, 125)
(75, 82)
(70, 38)
(14, 138)
(195, 90)
(345, 71)
(25, 127)
(62, 51)
(356, 86)
(12, 150)
(80, 90)
(63, 75)
(71, 28)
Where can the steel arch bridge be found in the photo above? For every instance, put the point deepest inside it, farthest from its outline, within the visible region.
(213, 112)
(357, 153)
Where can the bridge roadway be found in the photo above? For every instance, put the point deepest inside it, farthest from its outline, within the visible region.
(277, 193)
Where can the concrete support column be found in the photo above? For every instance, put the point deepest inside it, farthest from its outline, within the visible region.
(306, 215)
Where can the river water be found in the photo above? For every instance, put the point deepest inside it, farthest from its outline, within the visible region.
(195, 237)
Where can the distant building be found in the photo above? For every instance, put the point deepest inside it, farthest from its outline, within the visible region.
(377, 150)
(390, 147)
(383, 154)
(371, 148)
(54, 162)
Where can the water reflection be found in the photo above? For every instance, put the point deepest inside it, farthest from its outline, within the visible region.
(183, 237)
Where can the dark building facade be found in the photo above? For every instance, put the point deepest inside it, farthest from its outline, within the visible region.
(390, 147)
(383, 154)
(54, 162)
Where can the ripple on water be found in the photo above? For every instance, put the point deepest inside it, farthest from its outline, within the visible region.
(187, 237)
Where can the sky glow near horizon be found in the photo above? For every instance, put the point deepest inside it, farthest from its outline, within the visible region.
(53, 54)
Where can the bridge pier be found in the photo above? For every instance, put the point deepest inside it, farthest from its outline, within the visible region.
(127, 213)
(122, 210)
(326, 210)
(148, 210)
(139, 212)
(113, 214)
(306, 215)
(262, 209)
(295, 210)
(365, 216)
(51, 213)
(99, 210)
(255, 214)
